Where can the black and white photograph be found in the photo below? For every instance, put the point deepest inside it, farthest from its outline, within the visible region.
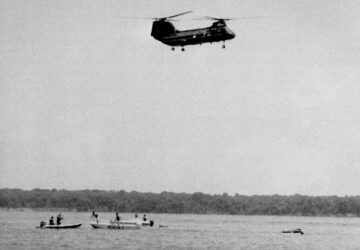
(189, 124)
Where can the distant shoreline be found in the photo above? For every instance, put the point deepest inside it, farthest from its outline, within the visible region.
(25, 209)
(179, 203)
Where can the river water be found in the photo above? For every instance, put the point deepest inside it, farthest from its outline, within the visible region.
(17, 231)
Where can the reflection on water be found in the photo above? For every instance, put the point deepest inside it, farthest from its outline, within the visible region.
(17, 230)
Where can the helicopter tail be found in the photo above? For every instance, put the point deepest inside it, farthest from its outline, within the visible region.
(162, 29)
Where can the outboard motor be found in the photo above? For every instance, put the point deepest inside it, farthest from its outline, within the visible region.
(151, 223)
(42, 224)
(162, 29)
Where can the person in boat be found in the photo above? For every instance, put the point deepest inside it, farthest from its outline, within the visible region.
(51, 221)
(96, 216)
(117, 217)
(144, 217)
(59, 218)
(136, 219)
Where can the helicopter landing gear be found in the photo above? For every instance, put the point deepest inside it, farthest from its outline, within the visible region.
(223, 46)
(182, 49)
(172, 48)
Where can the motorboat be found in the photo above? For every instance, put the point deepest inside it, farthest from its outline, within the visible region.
(114, 225)
(61, 226)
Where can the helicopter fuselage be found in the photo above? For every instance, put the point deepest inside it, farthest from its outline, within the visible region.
(166, 33)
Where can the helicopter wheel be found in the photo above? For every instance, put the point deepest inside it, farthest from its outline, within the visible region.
(172, 48)
(224, 46)
(182, 49)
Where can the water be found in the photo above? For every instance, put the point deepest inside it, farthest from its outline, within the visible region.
(17, 231)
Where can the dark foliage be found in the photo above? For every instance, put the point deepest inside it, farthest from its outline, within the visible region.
(167, 202)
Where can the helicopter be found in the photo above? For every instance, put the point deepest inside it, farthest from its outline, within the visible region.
(164, 31)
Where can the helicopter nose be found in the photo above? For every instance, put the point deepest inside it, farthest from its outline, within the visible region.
(231, 33)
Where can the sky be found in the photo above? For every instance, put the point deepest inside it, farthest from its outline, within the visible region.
(89, 100)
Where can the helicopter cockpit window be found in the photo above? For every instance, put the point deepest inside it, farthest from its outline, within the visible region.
(218, 25)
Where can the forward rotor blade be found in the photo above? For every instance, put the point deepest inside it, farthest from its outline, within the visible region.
(157, 18)
(147, 18)
(133, 17)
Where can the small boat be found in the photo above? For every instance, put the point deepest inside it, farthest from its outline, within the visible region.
(63, 226)
(295, 231)
(115, 225)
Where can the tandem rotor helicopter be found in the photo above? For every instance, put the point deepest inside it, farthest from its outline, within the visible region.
(164, 31)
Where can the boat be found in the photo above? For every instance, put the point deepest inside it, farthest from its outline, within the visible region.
(114, 225)
(62, 226)
(295, 231)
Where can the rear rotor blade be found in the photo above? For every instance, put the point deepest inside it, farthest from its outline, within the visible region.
(218, 19)
(235, 18)
(157, 18)
(178, 14)
(250, 17)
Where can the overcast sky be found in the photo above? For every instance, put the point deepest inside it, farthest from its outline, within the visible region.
(89, 100)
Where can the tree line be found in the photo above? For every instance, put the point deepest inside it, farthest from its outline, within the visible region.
(169, 202)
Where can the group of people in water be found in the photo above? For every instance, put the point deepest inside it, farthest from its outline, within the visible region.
(59, 218)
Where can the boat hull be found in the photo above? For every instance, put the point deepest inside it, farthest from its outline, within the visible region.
(119, 226)
(69, 226)
(140, 223)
